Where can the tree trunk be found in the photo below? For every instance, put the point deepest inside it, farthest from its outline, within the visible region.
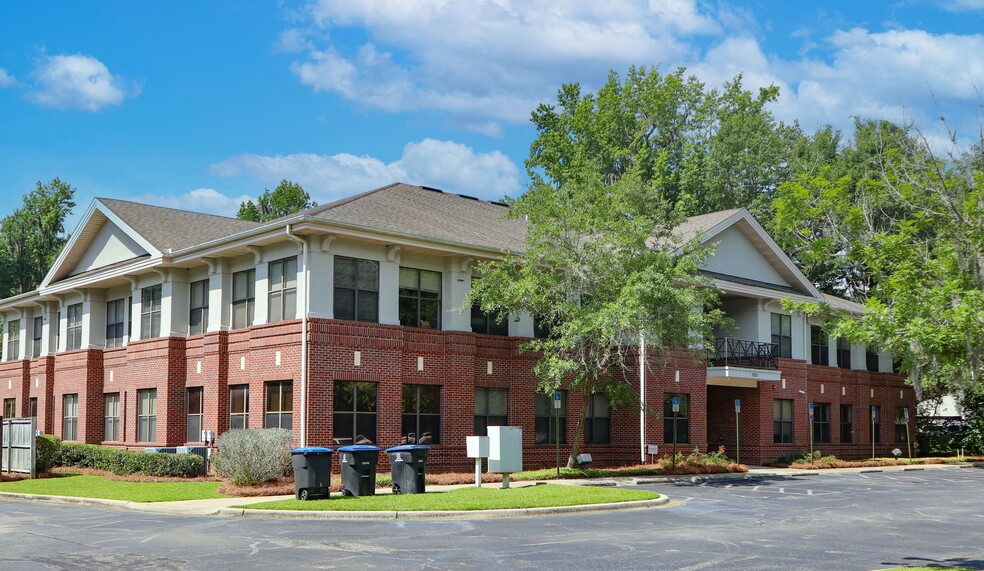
(579, 427)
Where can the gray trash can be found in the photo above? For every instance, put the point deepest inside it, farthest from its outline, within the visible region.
(407, 465)
(358, 469)
(312, 472)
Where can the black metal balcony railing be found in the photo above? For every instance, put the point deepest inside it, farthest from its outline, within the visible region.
(744, 353)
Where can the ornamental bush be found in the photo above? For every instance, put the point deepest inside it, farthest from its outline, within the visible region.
(47, 452)
(130, 461)
(250, 457)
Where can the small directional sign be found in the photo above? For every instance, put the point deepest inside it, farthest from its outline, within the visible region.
(676, 404)
(905, 413)
(811, 411)
(556, 400)
(737, 405)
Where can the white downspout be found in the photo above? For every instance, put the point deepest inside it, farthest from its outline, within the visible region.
(305, 256)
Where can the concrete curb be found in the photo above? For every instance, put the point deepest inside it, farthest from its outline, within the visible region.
(698, 478)
(68, 500)
(440, 515)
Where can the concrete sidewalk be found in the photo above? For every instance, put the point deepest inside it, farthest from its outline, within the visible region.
(222, 506)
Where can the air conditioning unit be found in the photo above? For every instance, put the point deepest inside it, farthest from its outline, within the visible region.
(161, 450)
(202, 451)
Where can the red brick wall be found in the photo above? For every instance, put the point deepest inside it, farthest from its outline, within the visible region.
(455, 361)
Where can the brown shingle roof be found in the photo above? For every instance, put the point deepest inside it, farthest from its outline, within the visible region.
(702, 223)
(845, 304)
(428, 213)
(175, 229)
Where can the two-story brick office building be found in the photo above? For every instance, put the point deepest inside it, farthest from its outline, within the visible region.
(342, 323)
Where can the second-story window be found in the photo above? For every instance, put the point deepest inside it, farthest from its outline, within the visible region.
(420, 298)
(38, 331)
(115, 323)
(243, 298)
(782, 334)
(487, 323)
(819, 353)
(73, 331)
(356, 289)
(150, 312)
(283, 289)
(843, 353)
(13, 340)
(871, 359)
(198, 315)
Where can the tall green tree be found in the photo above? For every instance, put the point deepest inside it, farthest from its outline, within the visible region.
(33, 235)
(707, 149)
(906, 227)
(287, 198)
(601, 266)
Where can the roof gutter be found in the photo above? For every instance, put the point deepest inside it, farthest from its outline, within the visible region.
(306, 260)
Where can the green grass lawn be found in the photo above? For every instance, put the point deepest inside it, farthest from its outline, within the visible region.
(77, 485)
(467, 499)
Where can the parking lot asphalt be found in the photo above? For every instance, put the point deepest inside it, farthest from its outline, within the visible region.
(830, 521)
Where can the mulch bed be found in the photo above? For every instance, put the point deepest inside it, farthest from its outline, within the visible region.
(873, 463)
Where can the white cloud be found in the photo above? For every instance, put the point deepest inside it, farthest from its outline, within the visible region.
(492, 59)
(441, 164)
(6, 80)
(962, 5)
(78, 82)
(207, 200)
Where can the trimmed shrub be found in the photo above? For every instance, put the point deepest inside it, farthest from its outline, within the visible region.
(130, 461)
(47, 452)
(250, 457)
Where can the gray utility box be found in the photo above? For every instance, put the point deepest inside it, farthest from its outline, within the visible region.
(312, 472)
(160, 450)
(197, 450)
(407, 465)
(358, 469)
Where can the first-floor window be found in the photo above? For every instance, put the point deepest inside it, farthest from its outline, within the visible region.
(875, 423)
(491, 409)
(196, 397)
(70, 417)
(821, 422)
(32, 405)
(355, 413)
(678, 421)
(422, 414)
(238, 406)
(597, 429)
(111, 418)
(147, 415)
(847, 423)
(279, 405)
(9, 408)
(901, 425)
(782, 421)
(546, 422)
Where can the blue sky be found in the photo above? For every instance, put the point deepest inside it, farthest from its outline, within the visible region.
(200, 105)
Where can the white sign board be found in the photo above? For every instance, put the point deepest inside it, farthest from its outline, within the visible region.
(652, 449)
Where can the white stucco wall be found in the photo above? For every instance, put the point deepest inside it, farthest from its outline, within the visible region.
(734, 255)
(110, 245)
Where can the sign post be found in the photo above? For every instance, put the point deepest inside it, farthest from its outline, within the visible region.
(556, 403)
(737, 431)
(676, 409)
(874, 416)
(811, 432)
(908, 443)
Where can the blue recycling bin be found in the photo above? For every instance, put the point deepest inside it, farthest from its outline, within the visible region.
(312, 472)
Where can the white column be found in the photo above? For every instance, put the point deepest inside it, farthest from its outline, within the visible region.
(94, 319)
(322, 277)
(219, 295)
(389, 287)
(457, 282)
(261, 287)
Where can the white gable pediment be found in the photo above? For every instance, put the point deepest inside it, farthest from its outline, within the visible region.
(736, 256)
(109, 246)
(100, 240)
(745, 251)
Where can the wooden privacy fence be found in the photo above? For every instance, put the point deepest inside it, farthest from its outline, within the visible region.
(18, 444)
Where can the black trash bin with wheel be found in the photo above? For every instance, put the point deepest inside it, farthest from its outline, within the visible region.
(358, 469)
(407, 465)
(312, 472)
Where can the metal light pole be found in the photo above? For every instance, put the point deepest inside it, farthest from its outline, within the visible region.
(872, 432)
(737, 432)
(811, 432)
(676, 409)
(908, 441)
(556, 399)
